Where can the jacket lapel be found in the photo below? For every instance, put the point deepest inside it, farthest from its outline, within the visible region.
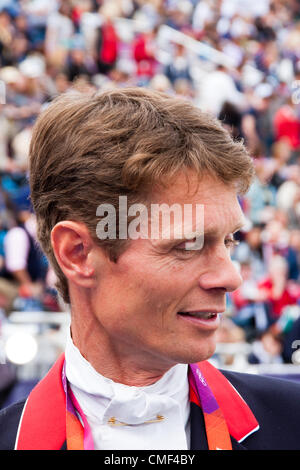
(43, 422)
(239, 418)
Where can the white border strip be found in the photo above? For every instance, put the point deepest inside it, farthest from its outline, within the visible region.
(19, 427)
(249, 434)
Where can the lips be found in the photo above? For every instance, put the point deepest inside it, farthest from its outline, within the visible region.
(208, 320)
(198, 314)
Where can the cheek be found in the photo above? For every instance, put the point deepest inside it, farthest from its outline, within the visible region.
(149, 297)
(160, 281)
(144, 283)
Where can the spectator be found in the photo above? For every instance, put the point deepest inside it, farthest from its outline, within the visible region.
(287, 124)
(78, 64)
(25, 267)
(59, 32)
(262, 195)
(6, 37)
(250, 250)
(251, 311)
(276, 242)
(179, 67)
(267, 349)
(276, 288)
(144, 54)
(217, 88)
(107, 43)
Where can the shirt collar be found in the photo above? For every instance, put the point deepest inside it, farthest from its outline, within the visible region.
(132, 405)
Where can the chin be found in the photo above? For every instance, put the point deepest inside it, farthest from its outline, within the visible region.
(196, 353)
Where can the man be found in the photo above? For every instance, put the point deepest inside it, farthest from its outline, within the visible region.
(145, 302)
(25, 268)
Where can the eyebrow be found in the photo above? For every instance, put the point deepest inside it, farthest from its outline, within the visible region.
(211, 231)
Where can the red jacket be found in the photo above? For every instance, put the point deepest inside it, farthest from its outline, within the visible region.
(109, 44)
(146, 62)
(286, 298)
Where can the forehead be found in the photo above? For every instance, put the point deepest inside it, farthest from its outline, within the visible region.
(219, 200)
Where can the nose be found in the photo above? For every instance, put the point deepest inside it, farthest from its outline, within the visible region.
(221, 273)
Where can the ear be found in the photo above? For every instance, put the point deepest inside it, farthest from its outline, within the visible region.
(74, 250)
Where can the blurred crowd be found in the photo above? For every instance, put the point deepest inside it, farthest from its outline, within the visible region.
(237, 59)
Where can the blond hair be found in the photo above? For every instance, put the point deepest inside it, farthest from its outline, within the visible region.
(90, 149)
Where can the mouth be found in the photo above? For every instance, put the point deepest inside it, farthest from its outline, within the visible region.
(207, 320)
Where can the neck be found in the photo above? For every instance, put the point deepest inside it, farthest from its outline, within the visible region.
(116, 361)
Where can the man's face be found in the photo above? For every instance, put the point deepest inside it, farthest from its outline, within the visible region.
(159, 302)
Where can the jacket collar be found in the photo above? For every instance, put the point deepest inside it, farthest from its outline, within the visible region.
(240, 420)
(43, 422)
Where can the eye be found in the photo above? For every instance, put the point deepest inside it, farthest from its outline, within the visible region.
(231, 242)
(182, 249)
